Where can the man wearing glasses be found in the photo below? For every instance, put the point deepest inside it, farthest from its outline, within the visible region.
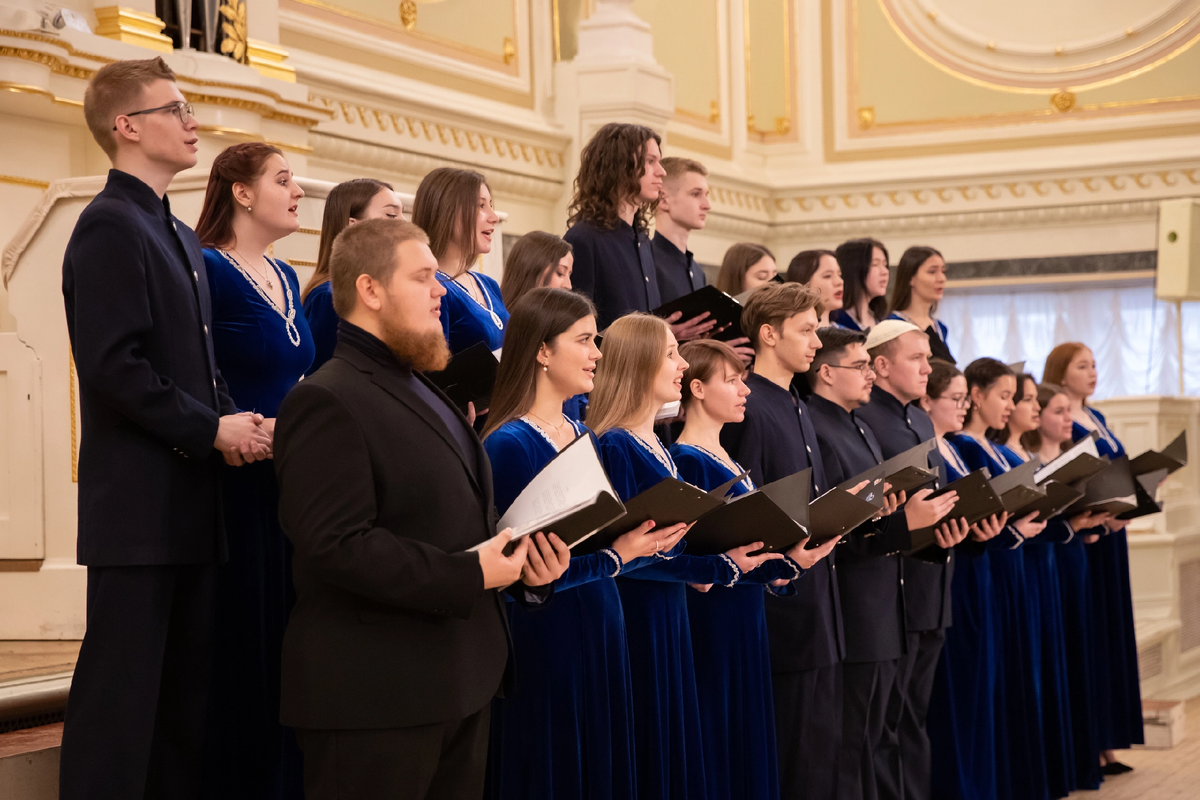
(871, 578)
(157, 422)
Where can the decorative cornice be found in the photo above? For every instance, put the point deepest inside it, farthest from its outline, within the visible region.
(397, 160)
(132, 27)
(414, 128)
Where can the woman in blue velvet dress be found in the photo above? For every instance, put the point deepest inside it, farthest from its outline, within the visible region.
(1020, 751)
(262, 346)
(641, 372)
(1118, 690)
(961, 718)
(565, 730)
(348, 203)
(920, 283)
(1046, 642)
(454, 207)
(1075, 594)
(729, 625)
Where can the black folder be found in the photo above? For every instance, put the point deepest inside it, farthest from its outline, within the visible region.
(1058, 498)
(1112, 490)
(669, 502)
(910, 470)
(469, 377)
(1074, 465)
(721, 307)
(756, 517)
(1170, 458)
(1016, 488)
(976, 501)
(1146, 494)
(873, 491)
(836, 513)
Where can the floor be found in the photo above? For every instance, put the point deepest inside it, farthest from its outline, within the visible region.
(20, 660)
(1158, 774)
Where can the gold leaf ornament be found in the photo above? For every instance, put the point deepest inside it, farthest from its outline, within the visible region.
(234, 28)
(408, 14)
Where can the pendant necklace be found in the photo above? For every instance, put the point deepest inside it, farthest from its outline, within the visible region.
(289, 318)
(654, 451)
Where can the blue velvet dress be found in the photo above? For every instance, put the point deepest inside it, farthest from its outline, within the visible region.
(464, 321)
(322, 323)
(962, 718)
(247, 752)
(565, 730)
(733, 660)
(1118, 691)
(1020, 744)
(1075, 586)
(1047, 645)
(666, 710)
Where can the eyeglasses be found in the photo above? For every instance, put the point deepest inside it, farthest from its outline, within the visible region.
(865, 367)
(182, 109)
(960, 403)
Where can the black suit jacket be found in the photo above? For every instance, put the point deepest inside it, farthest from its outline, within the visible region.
(138, 312)
(392, 626)
(927, 576)
(615, 268)
(871, 579)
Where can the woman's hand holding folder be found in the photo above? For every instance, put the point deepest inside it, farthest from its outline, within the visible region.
(645, 541)
(989, 528)
(807, 558)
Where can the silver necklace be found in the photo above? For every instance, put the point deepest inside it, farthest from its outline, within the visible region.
(734, 468)
(482, 291)
(260, 273)
(545, 435)
(289, 318)
(661, 457)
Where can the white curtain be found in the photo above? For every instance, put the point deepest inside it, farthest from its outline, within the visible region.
(1136, 337)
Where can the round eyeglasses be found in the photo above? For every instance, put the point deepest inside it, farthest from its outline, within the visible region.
(182, 109)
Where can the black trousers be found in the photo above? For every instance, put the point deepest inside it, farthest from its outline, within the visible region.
(866, 690)
(808, 731)
(443, 761)
(903, 764)
(135, 715)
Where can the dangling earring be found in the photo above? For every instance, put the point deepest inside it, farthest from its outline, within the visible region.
(248, 209)
(545, 367)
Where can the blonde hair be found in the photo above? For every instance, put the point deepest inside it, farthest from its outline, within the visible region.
(114, 90)
(633, 349)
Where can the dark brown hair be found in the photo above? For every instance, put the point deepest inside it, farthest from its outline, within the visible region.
(776, 302)
(611, 166)
(529, 264)
(538, 318)
(854, 257)
(348, 200)
(737, 262)
(983, 373)
(114, 90)
(910, 262)
(446, 207)
(834, 342)
(1032, 440)
(1002, 435)
(704, 358)
(239, 163)
(368, 248)
(939, 378)
(805, 265)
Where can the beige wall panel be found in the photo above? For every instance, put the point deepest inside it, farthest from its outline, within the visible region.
(687, 44)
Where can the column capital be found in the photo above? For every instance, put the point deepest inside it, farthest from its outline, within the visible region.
(131, 26)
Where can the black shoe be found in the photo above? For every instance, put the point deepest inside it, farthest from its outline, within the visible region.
(1116, 768)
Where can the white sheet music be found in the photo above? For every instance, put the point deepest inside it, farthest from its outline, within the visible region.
(571, 481)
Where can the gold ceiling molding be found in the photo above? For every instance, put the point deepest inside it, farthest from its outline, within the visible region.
(30, 182)
(438, 132)
(1027, 189)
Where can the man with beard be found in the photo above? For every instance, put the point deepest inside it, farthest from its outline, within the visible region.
(397, 643)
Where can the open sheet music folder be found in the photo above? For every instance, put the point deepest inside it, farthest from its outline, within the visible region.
(976, 501)
(775, 514)
(910, 470)
(1080, 462)
(1112, 490)
(1017, 488)
(1149, 470)
(720, 307)
(570, 496)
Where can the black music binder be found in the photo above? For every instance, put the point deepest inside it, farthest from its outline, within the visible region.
(668, 502)
(1172, 457)
(976, 501)
(910, 470)
(469, 377)
(1058, 498)
(1112, 490)
(1080, 462)
(726, 311)
(1016, 488)
(776, 515)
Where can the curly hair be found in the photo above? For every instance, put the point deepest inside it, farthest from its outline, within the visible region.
(610, 170)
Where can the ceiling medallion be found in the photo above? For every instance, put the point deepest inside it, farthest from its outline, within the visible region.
(1034, 46)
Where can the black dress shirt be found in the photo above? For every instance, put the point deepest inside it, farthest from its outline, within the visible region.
(138, 316)
(615, 268)
(777, 439)
(871, 580)
(678, 273)
(927, 575)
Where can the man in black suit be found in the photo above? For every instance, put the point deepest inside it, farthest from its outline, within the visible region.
(398, 642)
(155, 414)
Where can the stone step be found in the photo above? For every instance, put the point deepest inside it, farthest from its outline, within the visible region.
(29, 763)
